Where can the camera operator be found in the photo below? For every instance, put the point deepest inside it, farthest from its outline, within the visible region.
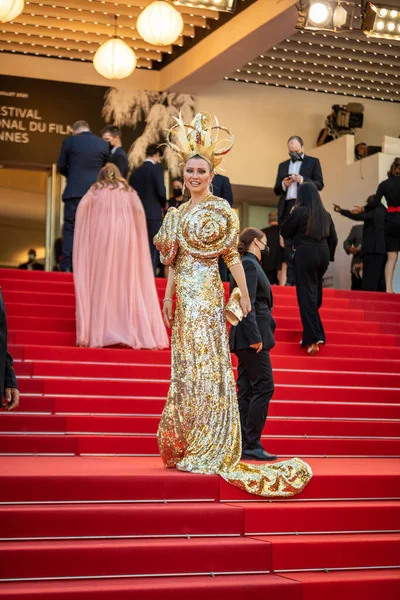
(291, 173)
(360, 151)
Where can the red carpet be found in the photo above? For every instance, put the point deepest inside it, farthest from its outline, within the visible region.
(97, 517)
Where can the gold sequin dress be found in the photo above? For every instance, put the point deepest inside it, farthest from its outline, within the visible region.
(199, 429)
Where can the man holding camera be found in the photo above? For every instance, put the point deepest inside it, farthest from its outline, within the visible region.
(292, 173)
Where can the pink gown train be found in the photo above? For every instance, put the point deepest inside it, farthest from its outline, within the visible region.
(116, 297)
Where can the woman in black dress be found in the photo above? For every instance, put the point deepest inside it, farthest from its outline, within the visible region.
(390, 190)
(314, 240)
(373, 249)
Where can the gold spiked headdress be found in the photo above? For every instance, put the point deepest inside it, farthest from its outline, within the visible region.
(200, 137)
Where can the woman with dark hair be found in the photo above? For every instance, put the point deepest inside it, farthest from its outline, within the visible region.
(314, 237)
(177, 197)
(116, 297)
(251, 340)
(373, 249)
(390, 190)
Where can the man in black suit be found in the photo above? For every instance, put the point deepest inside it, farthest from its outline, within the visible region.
(272, 262)
(81, 158)
(9, 393)
(292, 173)
(148, 181)
(31, 265)
(222, 188)
(118, 156)
(353, 245)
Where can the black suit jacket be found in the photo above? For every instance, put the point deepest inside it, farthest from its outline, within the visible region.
(295, 228)
(82, 156)
(354, 239)
(310, 170)
(222, 188)
(373, 240)
(147, 180)
(259, 325)
(7, 375)
(272, 261)
(119, 158)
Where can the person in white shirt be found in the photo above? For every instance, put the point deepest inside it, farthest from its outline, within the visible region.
(291, 173)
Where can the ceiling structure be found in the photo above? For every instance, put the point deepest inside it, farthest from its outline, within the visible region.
(75, 29)
(346, 63)
(213, 46)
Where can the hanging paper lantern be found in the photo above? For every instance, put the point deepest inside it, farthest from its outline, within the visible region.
(10, 9)
(115, 59)
(160, 23)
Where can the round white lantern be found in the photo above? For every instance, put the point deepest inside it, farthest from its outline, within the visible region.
(160, 23)
(115, 59)
(10, 9)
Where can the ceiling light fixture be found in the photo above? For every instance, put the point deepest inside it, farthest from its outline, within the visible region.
(160, 23)
(381, 21)
(10, 9)
(115, 59)
(325, 15)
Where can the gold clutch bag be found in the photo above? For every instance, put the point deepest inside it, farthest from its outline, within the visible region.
(233, 311)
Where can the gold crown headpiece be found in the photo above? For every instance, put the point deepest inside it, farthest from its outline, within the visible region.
(200, 137)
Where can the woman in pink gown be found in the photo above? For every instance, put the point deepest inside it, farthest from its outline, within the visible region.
(116, 296)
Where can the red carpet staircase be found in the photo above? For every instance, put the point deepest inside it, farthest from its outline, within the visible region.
(88, 512)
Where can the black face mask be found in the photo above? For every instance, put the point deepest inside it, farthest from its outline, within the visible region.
(177, 192)
(265, 250)
(295, 156)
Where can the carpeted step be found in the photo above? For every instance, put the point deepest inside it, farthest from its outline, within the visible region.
(143, 425)
(154, 406)
(159, 389)
(63, 324)
(56, 298)
(147, 406)
(301, 374)
(330, 312)
(103, 479)
(340, 478)
(146, 445)
(377, 356)
(220, 587)
(56, 367)
(120, 520)
(348, 585)
(324, 517)
(86, 558)
(333, 551)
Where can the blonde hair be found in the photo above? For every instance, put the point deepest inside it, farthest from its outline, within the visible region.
(110, 176)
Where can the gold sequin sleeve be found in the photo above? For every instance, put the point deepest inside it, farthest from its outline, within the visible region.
(166, 240)
(230, 254)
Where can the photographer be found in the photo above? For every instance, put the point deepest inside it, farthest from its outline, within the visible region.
(292, 173)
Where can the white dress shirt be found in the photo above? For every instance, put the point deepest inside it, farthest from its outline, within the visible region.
(291, 191)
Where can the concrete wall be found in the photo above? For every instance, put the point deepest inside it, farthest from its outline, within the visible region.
(262, 119)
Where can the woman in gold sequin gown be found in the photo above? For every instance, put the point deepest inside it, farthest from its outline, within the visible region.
(199, 429)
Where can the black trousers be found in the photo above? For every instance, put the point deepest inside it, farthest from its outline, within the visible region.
(311, 263)
(223, 269)
(153, 227)
(374, 273)
(70, 207)
(272, 277)
(288, 259)
(255, 390)
(356, 283)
